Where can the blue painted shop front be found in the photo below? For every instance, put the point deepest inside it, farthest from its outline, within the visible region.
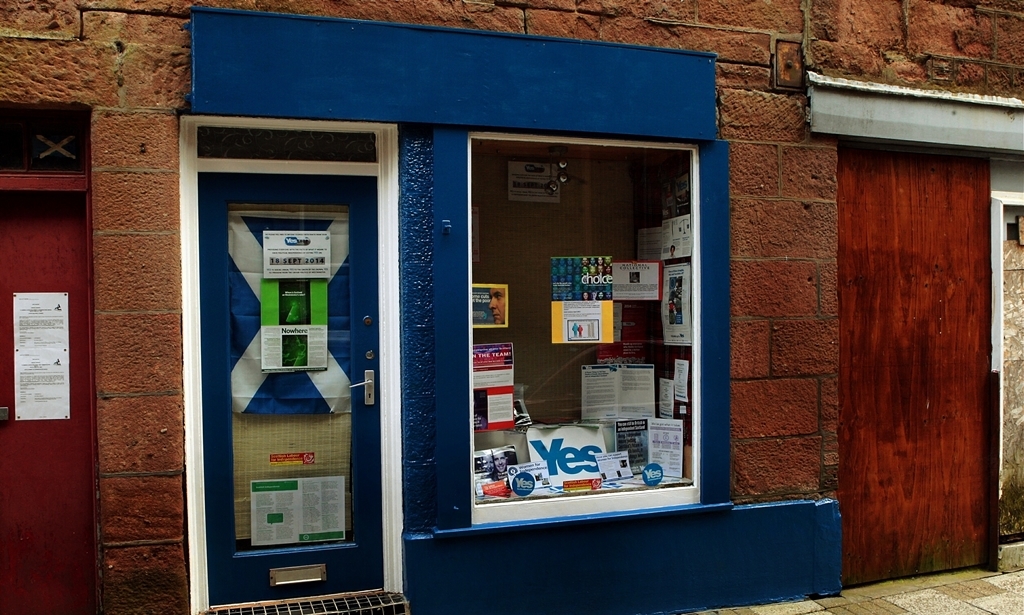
(440, 86)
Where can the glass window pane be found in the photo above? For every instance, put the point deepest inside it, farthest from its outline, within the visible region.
(54, 149)
(257, 144)
(582, 319)
(11, 147)
(291, 430)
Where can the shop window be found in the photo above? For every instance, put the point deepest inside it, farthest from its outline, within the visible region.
(585, 341)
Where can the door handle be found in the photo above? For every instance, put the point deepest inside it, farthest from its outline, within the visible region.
(369, 397)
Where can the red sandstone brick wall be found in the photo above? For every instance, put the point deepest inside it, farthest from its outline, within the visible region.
(965, 45)
(127, 60)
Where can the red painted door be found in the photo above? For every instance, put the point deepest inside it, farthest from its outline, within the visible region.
(47, 467)
(915, 344)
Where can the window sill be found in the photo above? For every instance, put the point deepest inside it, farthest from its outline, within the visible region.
(532, 524)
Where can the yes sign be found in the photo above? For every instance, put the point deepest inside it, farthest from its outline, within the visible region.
(566, 459)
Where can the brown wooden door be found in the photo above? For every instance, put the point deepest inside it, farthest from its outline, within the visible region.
(47, 467)
(915, 321)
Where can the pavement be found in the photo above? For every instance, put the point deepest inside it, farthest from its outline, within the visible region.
(971, 591)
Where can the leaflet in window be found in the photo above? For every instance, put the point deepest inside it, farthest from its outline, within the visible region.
(493, 380)
(637, 280)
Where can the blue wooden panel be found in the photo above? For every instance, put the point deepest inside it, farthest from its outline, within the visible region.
(715, 365)
(749, 555)
(261, 64)
(452, 314)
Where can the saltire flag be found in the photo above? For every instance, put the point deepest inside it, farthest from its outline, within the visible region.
(299, 392)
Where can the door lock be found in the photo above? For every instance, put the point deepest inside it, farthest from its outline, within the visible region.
(369, 395)
(5, 413)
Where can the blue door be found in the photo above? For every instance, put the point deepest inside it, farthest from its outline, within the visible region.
(291, 430)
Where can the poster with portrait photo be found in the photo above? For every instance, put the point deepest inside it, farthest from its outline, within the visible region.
(676, 318)
(490, 306)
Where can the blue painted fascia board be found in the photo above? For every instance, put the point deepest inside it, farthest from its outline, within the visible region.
(751, 554)
(291, 66)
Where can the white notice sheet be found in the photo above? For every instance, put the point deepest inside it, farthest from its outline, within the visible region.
(296, 510)
(41, 364)
(613, 466)
(682, 380)
(666, 442)
(666, 397)
(617, 391)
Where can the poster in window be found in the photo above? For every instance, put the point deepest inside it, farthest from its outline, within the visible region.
(533, 182)
(637, 281)
(490, 306)
(293, 325)
(296, 254)
(581, 300)
(676, 319)
(493, 387)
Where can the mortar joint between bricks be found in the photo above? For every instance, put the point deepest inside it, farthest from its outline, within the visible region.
(144, 12)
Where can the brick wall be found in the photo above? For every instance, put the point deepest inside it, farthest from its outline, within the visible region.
(128, 61)
(965, 45)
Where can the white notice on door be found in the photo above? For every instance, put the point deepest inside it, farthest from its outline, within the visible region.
(297, 510)
(41, 379)
(41, 364)
(40, 320)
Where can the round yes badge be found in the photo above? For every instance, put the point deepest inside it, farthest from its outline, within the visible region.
(522, 483)
(652, 474)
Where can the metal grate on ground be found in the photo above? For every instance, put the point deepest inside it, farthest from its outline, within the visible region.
(368, 603)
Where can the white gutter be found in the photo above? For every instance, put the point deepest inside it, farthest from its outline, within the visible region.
(896, 113)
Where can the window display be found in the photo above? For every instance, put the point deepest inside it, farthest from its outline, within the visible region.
(587, 389)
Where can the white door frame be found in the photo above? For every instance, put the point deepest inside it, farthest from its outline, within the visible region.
(389, 389)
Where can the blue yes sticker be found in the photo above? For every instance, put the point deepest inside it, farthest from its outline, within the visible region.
(522, 483)
(652, 474)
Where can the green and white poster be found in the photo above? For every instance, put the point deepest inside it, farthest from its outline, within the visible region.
(297, 510)
(293, 325)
